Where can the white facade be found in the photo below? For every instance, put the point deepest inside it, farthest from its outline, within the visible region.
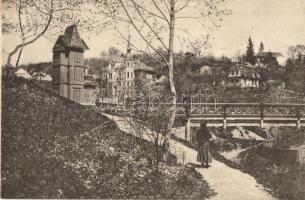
(22, 73)
(121, 76)
(244, 76)
(205, 70)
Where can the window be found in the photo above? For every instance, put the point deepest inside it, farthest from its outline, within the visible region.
(75, 74)
(77, 57)
(76, 95)
(127, 74)
(131, 74)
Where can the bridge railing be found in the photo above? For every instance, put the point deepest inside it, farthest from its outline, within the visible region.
(221, 109)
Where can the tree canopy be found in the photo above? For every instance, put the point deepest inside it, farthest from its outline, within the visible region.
(250, 55)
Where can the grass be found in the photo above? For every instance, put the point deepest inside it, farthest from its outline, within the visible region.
(54, 148)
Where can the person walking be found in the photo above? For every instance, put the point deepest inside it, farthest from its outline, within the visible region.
(203, 136)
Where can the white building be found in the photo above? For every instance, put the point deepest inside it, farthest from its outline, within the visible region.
(123, 74)
(40, 76)
(22, 73)
(244, 76)
(206, 70)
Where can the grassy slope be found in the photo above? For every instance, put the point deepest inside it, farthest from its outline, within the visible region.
(50, 150)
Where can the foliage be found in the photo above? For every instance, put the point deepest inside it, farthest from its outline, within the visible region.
(54, 148)
(286, 181)
(261, 47)
(294, 51)
(250, 55)
(286, 137)
(295, 79)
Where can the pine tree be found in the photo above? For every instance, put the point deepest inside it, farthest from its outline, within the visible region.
(261, 47)
(250, 53)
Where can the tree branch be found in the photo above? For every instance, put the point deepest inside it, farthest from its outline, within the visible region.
(154, 14)
(149, 26)
(138, 49)
(159, 10)
(136, 28)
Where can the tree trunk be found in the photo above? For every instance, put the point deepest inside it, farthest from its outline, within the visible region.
(9, 57)
(19, 55)
(171, 70)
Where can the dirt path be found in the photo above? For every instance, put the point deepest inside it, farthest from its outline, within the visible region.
(227, 183)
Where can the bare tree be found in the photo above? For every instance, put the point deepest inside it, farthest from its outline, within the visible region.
(32, 19)
(294, 51)
(162, 23)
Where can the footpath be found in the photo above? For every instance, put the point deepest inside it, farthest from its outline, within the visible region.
(227, 183)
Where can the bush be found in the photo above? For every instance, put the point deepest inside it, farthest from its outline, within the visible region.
(54, 148)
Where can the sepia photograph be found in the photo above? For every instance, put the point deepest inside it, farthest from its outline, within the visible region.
(153, 99)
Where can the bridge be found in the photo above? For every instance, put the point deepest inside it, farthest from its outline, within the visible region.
(236, 114)
(245, 114)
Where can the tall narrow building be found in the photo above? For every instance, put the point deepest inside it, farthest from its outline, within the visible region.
(68, 65)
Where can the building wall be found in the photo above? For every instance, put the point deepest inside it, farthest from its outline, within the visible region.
(76, 58)
(63, 90)
(63, 74)
(76, 93)
(76, 75)
(68, 73)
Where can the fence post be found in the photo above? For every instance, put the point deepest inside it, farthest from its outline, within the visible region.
(298, 118)
(262, 114)
(224, 118)
(188, 129)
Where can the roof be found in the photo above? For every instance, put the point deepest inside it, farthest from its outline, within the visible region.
(71, 39)
(161, 80)
(89, 80)
(269, 54)
(143, 67)
(116, 59)
(21, 71)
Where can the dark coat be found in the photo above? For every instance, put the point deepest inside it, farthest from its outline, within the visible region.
(204, 154)
(203, 135)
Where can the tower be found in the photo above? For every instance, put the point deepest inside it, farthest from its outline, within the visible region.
(68, 65)
(128, 47)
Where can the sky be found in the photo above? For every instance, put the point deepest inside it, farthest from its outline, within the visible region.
(277, 23)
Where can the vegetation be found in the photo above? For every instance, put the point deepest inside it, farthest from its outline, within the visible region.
(295, 79)
(250, 55)
(54, 148)
(287, 181)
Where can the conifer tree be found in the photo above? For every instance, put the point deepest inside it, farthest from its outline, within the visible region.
(250, 53)
(261, 47)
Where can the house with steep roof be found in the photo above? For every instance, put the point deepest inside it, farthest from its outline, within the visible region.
(267, 59)
(68, 67)
(244, 76)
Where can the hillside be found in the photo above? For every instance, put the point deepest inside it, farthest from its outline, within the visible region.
(54, 148)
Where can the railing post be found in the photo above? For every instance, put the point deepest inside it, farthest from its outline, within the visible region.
(224, 118)
(298, 118)
(262, 114)
(188, 129)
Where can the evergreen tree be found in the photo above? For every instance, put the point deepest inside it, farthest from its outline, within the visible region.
(250, 53)
(261, 47)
